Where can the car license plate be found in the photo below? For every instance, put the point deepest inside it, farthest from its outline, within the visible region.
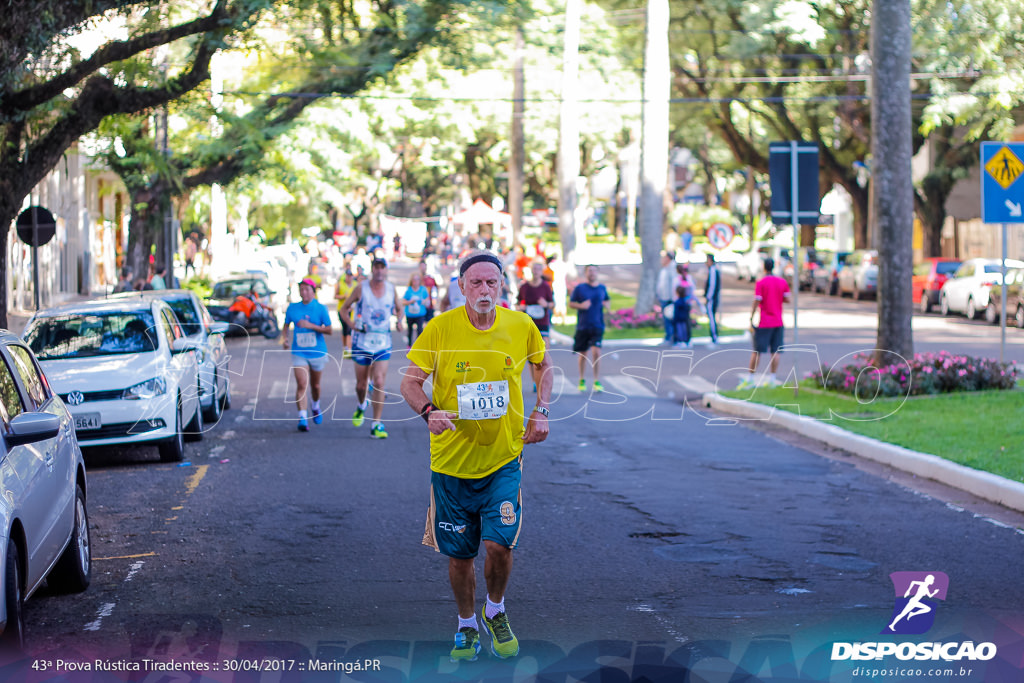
(88, 421)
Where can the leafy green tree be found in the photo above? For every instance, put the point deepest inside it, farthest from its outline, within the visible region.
(976, 94)
(355, 48)
(51, 95)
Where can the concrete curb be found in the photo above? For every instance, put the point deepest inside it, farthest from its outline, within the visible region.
(982, 484)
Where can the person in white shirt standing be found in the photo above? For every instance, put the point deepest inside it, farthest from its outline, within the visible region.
(665, 289)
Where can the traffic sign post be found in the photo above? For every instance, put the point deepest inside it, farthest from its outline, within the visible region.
(1002, 201)
(35, 226)
(793, 175)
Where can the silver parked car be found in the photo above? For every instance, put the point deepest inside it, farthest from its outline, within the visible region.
(42, 491)
(859, 277)
(208, 337)
(125, 368)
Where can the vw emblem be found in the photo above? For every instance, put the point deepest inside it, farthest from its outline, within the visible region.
(76, 398)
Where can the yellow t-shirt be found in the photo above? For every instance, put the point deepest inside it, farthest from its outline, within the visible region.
(342, 291)
(455, 353)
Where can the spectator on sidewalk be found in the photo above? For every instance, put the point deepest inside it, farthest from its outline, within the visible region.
(125, 283)
(665, 289)
(681, 318)
(770, 292)
(712, 296)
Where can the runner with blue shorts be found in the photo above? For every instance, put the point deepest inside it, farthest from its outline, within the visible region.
(375, 302)
(309, 348)
(475, 355)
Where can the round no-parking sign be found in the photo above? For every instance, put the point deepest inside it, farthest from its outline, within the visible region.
(720, 235)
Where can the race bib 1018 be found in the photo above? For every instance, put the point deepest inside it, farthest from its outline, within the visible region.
(483, 400)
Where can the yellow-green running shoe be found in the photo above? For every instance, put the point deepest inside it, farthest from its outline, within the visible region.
(378, 432)
(583, 385)
(357, 417)
(598, 388)
(467, 645)
(504, 643)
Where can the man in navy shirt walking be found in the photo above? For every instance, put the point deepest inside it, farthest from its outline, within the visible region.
(590, 300)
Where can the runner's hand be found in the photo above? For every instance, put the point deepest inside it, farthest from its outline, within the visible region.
(440, 421)
(536, 428)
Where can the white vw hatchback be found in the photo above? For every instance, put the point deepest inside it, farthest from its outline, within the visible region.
(207, 336)
(125, 369)
(42, 492)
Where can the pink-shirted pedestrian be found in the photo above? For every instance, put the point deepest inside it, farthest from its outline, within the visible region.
(770, 293)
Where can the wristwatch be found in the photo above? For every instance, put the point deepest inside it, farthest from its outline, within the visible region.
(542, 410)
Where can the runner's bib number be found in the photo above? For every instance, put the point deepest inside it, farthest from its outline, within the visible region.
(535, 311)
(483, 400)
(305, 340)
(375, 341)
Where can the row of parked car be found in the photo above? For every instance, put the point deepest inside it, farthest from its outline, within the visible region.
(134, 368)
(972, 288)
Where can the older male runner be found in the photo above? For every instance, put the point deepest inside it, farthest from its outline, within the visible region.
(476, 354)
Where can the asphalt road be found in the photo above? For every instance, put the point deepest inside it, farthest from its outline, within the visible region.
(657, 540)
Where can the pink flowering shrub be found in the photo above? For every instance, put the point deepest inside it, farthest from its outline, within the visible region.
(926, 373)
(625, 318)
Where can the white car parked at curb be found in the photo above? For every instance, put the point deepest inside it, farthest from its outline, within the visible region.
(42, 491)
(125, 369)
(966, 291)
(211, 351)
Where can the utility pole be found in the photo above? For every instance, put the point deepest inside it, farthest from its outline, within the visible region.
(518, 157)
(569, 133)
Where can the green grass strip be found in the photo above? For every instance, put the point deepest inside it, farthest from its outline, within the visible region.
(979, 429)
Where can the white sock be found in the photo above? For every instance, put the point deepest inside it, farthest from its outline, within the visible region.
(302, 414)
(376, 423)
(316, 405)
(493, 608)
(365, 404)
(468, 623)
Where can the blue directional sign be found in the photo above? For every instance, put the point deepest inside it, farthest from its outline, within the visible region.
(1002, 188)
(793, 175)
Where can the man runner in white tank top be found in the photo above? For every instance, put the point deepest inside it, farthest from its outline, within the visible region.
(375, 302)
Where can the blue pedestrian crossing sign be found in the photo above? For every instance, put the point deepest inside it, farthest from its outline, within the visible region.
(1002, 187)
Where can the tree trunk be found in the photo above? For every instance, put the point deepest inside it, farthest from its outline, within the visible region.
(891, 175)
(145, 228)
(654, 163)
(8, 212)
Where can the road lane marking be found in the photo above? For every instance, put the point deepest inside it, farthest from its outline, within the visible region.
(695, 384)
(195, 479)
(630, 386)
(106, 609)
(123, 557)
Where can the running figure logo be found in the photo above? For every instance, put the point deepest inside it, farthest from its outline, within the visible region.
(917, 595)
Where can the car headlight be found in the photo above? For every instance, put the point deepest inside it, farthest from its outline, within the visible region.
(148, 389)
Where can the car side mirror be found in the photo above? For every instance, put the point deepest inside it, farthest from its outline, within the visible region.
(32, 427)
(183, 345)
